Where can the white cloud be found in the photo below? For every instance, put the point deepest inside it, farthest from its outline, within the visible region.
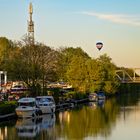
(117, 18)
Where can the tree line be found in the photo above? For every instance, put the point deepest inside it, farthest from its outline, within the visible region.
(39, 64)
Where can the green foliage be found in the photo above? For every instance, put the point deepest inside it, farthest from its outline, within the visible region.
(32, 64)
(69, 57)
(110, 84)
(111, 87)
(79, 96)
(75, 95)
(86, 74)
(39, 63)
(6, 47)
(7, 107)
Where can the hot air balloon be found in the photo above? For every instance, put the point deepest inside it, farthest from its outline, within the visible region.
(99, 45)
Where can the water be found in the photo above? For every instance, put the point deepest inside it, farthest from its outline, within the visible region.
(116, 118)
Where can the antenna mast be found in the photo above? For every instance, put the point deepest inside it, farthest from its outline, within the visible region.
(31, 26)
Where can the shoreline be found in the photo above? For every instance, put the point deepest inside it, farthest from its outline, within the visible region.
(7, 116)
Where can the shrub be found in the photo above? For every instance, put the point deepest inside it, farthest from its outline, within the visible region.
(7, 107)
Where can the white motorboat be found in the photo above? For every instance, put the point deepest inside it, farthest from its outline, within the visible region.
(46, 104)
(27, 108)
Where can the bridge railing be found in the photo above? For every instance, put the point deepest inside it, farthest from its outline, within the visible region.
(125, 77)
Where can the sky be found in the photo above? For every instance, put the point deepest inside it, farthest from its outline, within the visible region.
(79, 23)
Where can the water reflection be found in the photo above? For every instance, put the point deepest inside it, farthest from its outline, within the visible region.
(114, 118)
(94, 105)
(27, 128)
(98, 118)
(32, 127)
(3, 133)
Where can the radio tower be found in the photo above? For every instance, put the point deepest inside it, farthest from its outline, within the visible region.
(30, 26)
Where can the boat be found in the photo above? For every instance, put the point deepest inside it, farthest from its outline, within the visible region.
(93, 97)
(101, 95)
(46, 104)
(27, 108)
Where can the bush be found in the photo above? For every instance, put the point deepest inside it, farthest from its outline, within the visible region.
(7, 107)
(81, 96)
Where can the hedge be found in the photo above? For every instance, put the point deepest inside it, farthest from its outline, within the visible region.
(7, 107)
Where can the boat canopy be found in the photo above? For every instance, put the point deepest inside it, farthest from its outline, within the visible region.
(26, 100)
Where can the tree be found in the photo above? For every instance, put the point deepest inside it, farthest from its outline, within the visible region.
(33, 65)
(66, 57)
(87, 74)
(38, 63)
(73, 67)
(6, 46)
(110, 84)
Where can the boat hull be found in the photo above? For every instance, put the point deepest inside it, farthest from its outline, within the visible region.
(47, 109)
(25, 113)
(93, 97)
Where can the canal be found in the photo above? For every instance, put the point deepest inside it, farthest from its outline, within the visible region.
(116, 118)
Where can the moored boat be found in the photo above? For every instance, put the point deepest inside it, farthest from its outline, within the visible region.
(93, 97)
(101, 95)
(27, 108)
(46, 104)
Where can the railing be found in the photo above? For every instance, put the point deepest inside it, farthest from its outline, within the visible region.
(125, 77)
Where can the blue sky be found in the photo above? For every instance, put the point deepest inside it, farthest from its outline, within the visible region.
(79, 23)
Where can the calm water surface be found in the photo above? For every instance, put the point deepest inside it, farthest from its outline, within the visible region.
(114, 119)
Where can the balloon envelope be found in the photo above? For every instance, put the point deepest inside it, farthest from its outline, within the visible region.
(99, 45)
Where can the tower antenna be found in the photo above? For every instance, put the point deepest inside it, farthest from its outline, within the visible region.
(31, 26)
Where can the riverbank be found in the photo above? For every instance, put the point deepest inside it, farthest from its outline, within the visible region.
(60, 106)
(7, 117)
(106, 122)
(7, 108)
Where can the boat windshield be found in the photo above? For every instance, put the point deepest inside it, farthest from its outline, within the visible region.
(27, 104)
(44, 99)
(50, 99)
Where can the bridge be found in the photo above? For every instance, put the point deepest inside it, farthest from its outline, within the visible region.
(125, 77)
